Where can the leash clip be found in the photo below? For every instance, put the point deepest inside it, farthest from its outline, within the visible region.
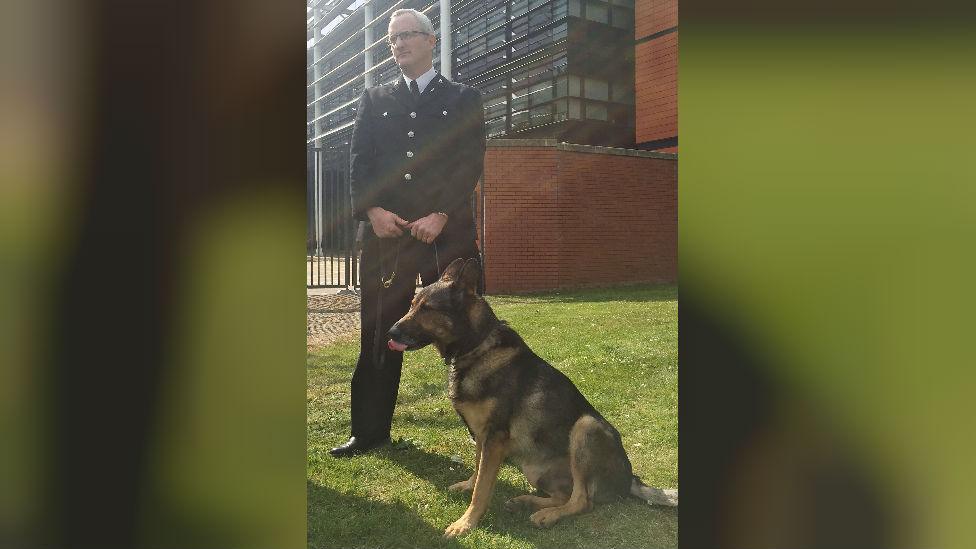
(389, 281)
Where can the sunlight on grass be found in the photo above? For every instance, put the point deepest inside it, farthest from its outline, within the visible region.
(620, 347)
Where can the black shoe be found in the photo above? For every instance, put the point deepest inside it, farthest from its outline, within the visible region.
(356, 446)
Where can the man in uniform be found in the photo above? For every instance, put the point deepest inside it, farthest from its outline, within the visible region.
(417, 152)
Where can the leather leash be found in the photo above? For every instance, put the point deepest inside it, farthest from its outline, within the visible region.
(379, 354)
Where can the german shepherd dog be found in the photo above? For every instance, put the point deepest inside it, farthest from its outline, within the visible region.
(516, 405)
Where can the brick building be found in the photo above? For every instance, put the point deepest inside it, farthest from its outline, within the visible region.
(656, 74)
(572, 89)
(566, 216)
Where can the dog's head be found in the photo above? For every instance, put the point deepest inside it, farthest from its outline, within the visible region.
(441, 313)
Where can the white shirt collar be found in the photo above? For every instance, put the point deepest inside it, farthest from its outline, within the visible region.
(422, 80)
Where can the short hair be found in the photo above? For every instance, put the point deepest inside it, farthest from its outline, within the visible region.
(423, 20)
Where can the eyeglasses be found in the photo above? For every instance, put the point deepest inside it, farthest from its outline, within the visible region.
(405, 35)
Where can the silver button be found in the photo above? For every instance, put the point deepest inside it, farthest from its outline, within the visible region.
(409, 154)
(445, 113)
(410, 133)
(407, 176)
(413, 115)
(385, 113)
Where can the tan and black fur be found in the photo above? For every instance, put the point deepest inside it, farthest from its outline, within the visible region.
(517, 406)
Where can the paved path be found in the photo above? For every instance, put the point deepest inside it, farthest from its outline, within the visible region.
(332, 318)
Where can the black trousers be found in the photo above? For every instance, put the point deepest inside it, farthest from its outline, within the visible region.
(374, 388)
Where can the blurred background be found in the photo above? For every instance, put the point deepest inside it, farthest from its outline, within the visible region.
(826, 198)
(151, 227)
(152, 242)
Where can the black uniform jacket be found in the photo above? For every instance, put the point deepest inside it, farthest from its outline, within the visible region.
(416, 158)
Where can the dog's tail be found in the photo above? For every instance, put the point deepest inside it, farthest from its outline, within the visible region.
(653, 496)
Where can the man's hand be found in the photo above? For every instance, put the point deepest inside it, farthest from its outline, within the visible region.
(386, 224)
(426, 229)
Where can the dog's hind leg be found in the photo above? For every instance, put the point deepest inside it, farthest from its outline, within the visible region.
(585, 446)
(535, 502)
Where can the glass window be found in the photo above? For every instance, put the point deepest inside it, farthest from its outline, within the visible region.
(623, 18)
(519, 7)
(520, 28)
(596, 111)
(561, 111)
(559, 64)
(496, 87)
(540, 115)
(496, 38)
(562, 86)
(494, 59)
(539, 40)
(520, 99)
(477, 27)
(559, 32)
(496, 127)
(540, 93)
(623, 93)
(496, 106)
(574, 8)
(476, 47)
(496, 17)
(559, 9)
(575, 109)
(536, 3)
(520, 120)
(539, 18)
(574, 86)
(597, 89)
(597, 11)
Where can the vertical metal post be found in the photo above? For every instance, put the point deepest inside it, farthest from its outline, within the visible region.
(367, 56)
(317, 269)
(446, 65)
(508, 78)
(318, 202)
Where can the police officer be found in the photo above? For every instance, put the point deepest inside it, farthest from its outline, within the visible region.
(417, 152)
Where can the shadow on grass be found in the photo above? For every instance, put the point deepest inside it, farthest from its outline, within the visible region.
(340, 520)
(449, 422)
(624, 522)
(437, 469)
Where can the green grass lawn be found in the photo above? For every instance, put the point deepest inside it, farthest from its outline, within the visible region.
(619, 346)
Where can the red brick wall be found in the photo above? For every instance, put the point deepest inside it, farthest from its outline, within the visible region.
(656, 88)
(656, 70)
(652, 16)
(521, 232)
(558, 218)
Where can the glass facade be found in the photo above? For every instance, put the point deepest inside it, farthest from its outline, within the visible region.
(543, 66)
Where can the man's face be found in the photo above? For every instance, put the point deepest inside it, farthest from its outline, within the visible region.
(411, 53)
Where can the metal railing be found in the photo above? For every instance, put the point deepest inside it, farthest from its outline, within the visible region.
(331, 255)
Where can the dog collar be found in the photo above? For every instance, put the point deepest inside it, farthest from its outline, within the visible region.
(453, 360)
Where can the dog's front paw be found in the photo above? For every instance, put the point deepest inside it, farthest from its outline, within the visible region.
(461, 526)
(463, 486)
(544, 518)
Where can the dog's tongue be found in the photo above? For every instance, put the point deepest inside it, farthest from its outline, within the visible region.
(396, 346)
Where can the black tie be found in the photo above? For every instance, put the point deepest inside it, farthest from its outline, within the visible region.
(415, 90)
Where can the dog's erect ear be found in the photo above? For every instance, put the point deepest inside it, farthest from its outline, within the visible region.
(452, 271)
(470, 275)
